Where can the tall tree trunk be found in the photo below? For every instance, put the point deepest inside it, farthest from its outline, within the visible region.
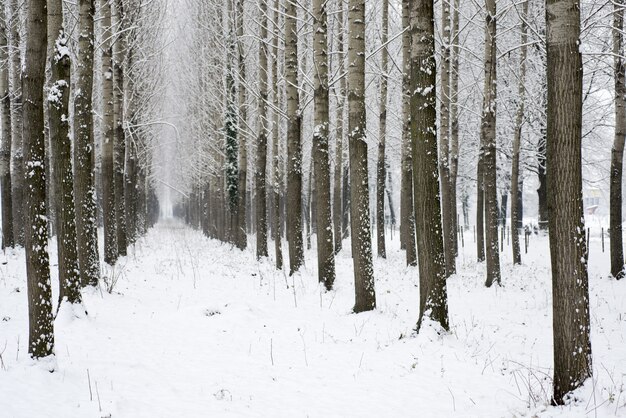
(488, 139)
(61, 156)
(277, 174)
(261, 192)
(568, 249)
(294, 146)
(617, 153)
(517, 139)
(108, 134)
(340, 93)
(17, 157)
(365, 293)
(444, 142)
(381, 174)
(407, 215)
(5, 134)
(454, 123)
(119, 144)
(41, 327)
(430, 247)
(231, 169)
(242, 238)
(323, 212)
(84, 189)
(480, 206)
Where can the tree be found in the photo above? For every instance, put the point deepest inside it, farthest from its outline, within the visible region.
(84, 189)
(17, 157)
(381, 172)
(108, 138)
(430, 247)
(407, 211)
(444, 141)
(5, 134)
(340, 93)
(119, 140)
(617, 153)
(517, 140)
(61, 156)
(488, 142)
(568, 249)
(241, 238)
(365, 294)
(325, 244)
(261, 168)
(277, 160)
(294, 147)
(41, 328)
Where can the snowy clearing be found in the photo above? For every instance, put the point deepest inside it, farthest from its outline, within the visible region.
(195, 328)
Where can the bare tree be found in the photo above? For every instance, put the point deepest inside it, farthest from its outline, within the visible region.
(277, 160)
(261, 192)
(294, 146)
(41, 327)
(241, 238)
(430, 247)
(84, 189)
(568, 249)
(365, 294)
(340, 96)
(488, 142)
(617, 153)
(5, 133)
(119, 144)
(381, 172)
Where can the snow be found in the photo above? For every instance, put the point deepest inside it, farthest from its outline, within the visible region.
(196, 328)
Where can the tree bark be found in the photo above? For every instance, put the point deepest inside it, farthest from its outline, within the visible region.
(261, 192)
(517, 140)
(568, 248)
(454, 122)
(444, 142)
(84, 189)
(617, 153)
(17, 157)
(488, 140)
(294, 146)
(5, 134)
(340, 94)
(407, 215)
(480, 206)
(381, 174)
(430, 246)
(365, 293)
(61, 156)
(108, 135)
(41, 327)
(323, 212)
(277, 160)
(241, 237)
(119, 144)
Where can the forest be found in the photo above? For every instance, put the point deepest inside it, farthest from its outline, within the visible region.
(290, 208)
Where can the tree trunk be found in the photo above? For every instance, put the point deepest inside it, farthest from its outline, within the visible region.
(119, 145)
(542, 191)
(323, 212)
(17, 157)
(108, 133)
(430, 246)
(568, 249)
(61, 156)
(84, 189)
(294, 146)
(381, 174)
(488, 140)
(454, 123)
(340, 94)
(5, 134)
(365, 293)
(261, 168)
(41, 327)
(231, 169)
(407, 215)
(517, 140)
(444, 142)
(617, 153)
(480, 207)
(241, 236)
(278, 179)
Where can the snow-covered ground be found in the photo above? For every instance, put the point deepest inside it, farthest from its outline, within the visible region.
(195, 328)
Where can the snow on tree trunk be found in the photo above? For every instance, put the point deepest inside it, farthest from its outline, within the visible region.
(5, 132)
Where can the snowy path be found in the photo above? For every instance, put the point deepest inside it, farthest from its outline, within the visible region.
(195, 328)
